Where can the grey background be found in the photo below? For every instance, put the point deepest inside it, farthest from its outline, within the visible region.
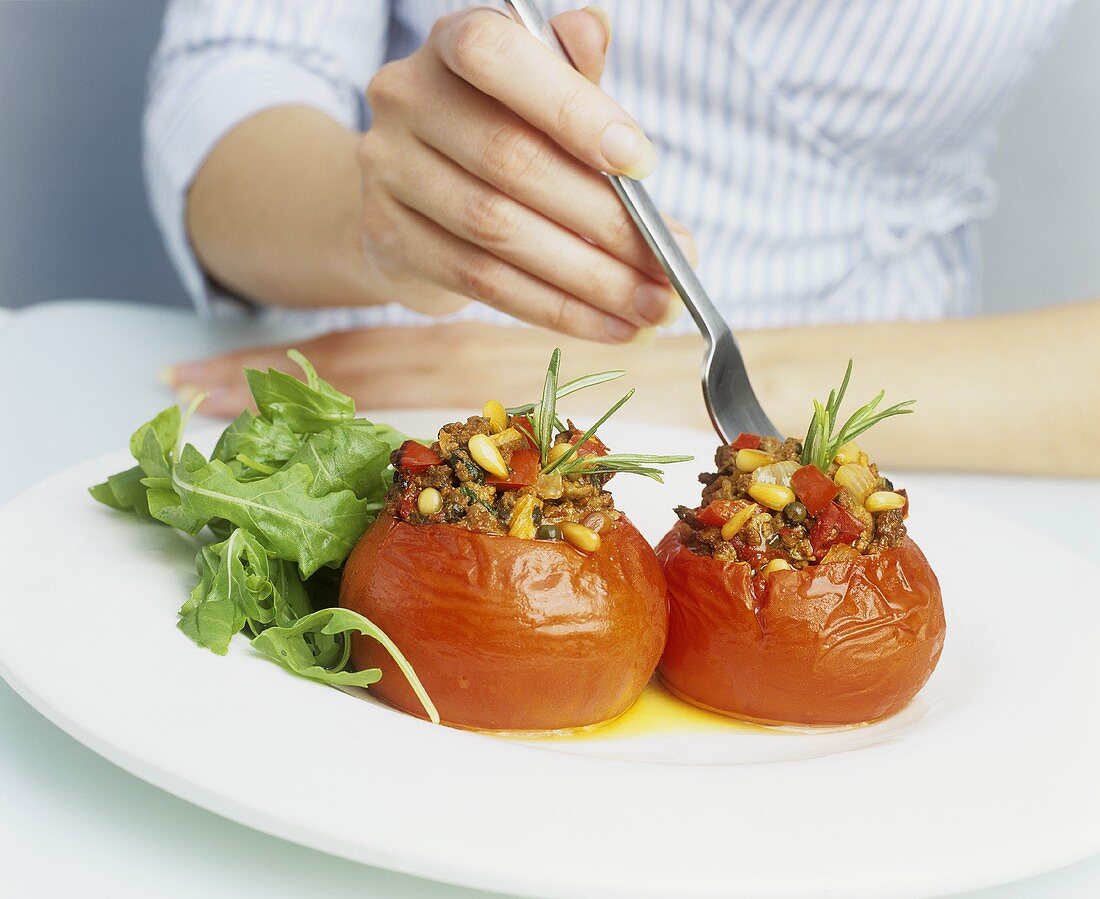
(74, 221)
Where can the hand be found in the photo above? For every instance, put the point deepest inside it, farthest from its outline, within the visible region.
(419, 367)
(481, 181)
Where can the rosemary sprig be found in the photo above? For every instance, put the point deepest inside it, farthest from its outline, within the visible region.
(545, 424)
(581, 383)
(544, 416)
(562, 462)
(821, 444)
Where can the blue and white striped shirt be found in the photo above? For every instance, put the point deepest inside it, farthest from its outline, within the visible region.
(829, 155)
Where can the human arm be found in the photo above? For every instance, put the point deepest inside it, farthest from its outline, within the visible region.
(477, 179)
(1006, 393)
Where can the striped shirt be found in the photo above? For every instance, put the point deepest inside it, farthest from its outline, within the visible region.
(830, 156)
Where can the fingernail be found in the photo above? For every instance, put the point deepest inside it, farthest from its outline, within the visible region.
(675, 308)
(167, 375)
(187, 392)
(617, 330)
(605, 21)
(627, 150)
(651, 302)
(644, 337)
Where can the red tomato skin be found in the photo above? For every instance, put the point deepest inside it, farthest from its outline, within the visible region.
(843, 643)
(414, 457)
(523, 469)
(834, 525)
(509, 634)
(814, 490)
(746, 441)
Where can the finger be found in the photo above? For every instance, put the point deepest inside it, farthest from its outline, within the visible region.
(495, 145)
(438, 256)
(478, 213)
(586, 35)
(499, 58)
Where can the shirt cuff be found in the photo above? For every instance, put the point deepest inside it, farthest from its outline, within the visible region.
(189, 112)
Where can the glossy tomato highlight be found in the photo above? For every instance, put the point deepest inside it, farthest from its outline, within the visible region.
(509, 634)
(832, 644)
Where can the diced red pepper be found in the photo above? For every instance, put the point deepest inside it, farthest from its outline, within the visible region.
(833, 525)
(414, 457)
(717, 513)
(746, 441)
(814, 490)
(523, 470)
(523, 424)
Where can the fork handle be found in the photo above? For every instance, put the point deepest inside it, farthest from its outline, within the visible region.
(640, 206)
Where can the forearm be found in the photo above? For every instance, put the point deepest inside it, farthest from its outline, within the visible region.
(1010, 393)
(272, 213)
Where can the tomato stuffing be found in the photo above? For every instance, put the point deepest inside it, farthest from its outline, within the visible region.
(746, 441)
(834, 525)
(814, 490)
(718, 512)
(523, 470)
(414, 457)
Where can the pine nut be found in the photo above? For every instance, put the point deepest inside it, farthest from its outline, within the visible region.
(584, 539)
(429, 501)
(773, 496)
(750, 459)
(884, 501)
(498, 417)
(738, 520)
(485, 453)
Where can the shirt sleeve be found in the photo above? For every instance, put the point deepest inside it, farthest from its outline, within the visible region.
(219, 63)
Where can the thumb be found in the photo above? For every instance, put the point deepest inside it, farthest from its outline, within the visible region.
(585, 34)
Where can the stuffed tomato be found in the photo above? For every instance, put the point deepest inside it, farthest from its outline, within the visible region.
(523, 599)
(796, 595)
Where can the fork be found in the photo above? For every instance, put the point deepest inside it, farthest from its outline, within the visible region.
(727, 392)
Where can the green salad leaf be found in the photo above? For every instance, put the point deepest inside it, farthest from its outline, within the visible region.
(285, 495)
(269, 443)
(281, 510)
(348, 456)
(124, 491)
(304, 407)
(239, 586)
(294, 648)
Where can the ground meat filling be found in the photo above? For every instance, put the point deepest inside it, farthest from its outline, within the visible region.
(791, 535)
(472, 498)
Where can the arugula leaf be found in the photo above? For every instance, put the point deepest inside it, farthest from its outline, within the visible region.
(305, 408)
(146, 489)
(279, 510)
(270, 443)
(240, 585)
(293, 648)
(124, 491)
(347, 456)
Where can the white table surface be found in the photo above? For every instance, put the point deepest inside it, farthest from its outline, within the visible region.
(75, 377)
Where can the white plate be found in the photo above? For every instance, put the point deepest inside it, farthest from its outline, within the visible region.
(991, 775)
